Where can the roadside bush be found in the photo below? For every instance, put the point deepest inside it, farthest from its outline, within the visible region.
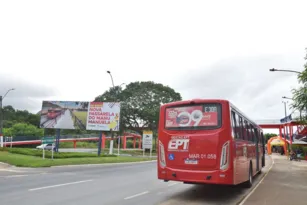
(2, 149)
(304, 148)
(79, 145)
(130, 144)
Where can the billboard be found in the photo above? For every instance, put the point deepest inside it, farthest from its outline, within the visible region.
(80, 115)
(103, 116)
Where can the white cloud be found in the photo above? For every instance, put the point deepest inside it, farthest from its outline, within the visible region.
(69, 45)
(27, 94)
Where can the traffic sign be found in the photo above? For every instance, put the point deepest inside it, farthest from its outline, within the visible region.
(147, 139)
(48, 140)
(286, 119)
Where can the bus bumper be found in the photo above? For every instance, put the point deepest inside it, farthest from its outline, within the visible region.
(193, 176)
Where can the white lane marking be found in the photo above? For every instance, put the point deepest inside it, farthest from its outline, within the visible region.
(136, 195)
(242, 202)
(23, 175)
(106, 164)
(12, 176)
(10, 170)
(58, 185)
(173, 184)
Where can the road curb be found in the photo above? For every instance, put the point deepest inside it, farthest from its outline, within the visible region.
(4, 165)
(244, 199)
(105, 164)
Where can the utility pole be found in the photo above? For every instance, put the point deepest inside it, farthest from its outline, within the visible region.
(285, 105)
(286, 128)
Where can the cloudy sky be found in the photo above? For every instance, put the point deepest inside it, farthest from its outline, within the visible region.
(61, 50)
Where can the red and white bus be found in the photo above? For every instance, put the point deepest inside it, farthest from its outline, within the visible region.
(208, 141)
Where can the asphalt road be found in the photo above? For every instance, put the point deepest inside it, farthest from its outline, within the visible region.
(128, 184)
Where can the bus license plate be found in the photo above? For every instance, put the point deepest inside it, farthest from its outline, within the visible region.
(191, 161)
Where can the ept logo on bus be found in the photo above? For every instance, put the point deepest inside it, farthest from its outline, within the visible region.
(179, 143)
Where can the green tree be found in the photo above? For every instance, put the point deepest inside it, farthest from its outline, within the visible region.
(267, 136)
(140, 103)
(300, 94)
(12, 116)
(23, 129)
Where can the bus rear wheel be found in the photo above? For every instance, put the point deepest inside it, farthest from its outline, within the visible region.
(249, 183)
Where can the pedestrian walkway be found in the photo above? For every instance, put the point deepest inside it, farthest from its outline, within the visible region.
(285, 184)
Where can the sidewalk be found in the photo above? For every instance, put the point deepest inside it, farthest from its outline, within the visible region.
(285, 184)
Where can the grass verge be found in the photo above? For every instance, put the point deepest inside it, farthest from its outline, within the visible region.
(48, 154)
(79, 145)
(132, 152)
(20, 160)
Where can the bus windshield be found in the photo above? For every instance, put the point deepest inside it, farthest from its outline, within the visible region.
(193, 117)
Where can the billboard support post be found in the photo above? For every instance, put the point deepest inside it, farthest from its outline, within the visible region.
(118, 148)
(1, 141)
(52, 151)
(111, 142)
(99, 143)
(57, 141)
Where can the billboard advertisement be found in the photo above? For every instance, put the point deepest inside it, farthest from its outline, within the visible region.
(103, 116)
(80, 115)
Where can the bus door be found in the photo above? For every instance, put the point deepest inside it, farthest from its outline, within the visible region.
(257, 136)
(263, 148)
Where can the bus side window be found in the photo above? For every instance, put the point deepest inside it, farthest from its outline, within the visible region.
(246, 131)
(233, 124)
(242, 128)
(257, 134)
(239, 130)
(253, 133)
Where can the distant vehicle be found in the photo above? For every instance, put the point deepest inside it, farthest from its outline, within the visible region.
(46, 147)
(53, 113)
(208, 141)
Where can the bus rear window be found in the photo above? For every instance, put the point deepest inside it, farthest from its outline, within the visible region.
(193, 117)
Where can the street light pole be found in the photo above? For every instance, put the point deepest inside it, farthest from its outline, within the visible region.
(111, 131)
(2, 113)
(285, 105)
(111, 78)
(292, 71)
(284, 97)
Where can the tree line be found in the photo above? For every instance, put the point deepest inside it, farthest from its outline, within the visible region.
(140, 104)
